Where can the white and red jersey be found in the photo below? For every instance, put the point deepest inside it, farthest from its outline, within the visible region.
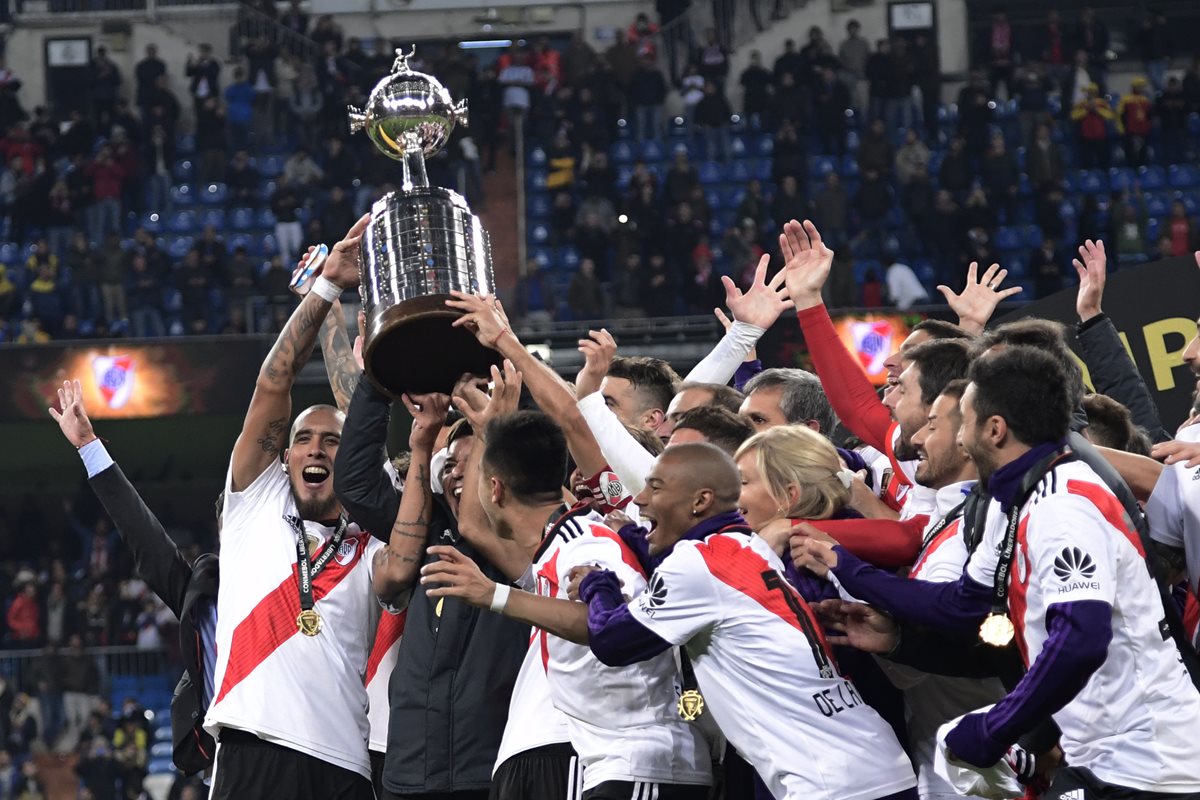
(766, 672)
(1136, 723)
(533, 719)
(1173, 514)
(623, 721)
(302, 692)
(931, 701)
(388, 633)
(896, 481)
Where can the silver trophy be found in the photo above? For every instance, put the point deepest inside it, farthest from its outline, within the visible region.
(422, 242)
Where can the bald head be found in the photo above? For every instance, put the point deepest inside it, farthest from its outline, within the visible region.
(689, 484)
(329, 415)
(701, 465)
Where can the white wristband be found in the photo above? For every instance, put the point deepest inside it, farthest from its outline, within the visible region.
(326, 289)
(500, 597)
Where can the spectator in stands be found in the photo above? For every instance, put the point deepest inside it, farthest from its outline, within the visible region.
(158, 155)
(714, 59)
(1033, 101)
(585, 295)
(622, 59)
(1044, 160)
(628, 287)
(789, 156)
(898, 108)
(146, 74)
(96, 766)
(536, 301)
(1181, 230)
(242, 182)
(1000, 53)
(853, 53)
(111, 273)
(23, 616)
(753, 204)
(756, 83)
(956, 174)
(975, 116)
(1091, 36)
(239, 105)
(1047, 212)
(1171, 112)
(1130, 219)
(60, 219)
(105, 85)
(563, 214)
(904, 288)
(927, 74)
(790, 101)
(873, 202)
(1134, 121)
(306, 103)
(241, 274)
(978, 212)
(680, 180)
(1046, 268)
(683, 232)
(1154, 48)
(23, 726)
(294, 18)
(301, 171)
(879, 68)
(912, 158)
(831, 99)
(211, 141)
(713, 117)
(131, 750)
(578, 60)
(327, 31)
(691, 92)
(517, 79)
(646, 95)
(875, 150)
(1000, 176)
(789, 202)
(660, 287)
(831, 211)
(285, 205)
(164, 109)
(594, 241)
(948, 239)
(641, 35)
(203, 71)
(145, 298)
(106, 176)
(9, 299)
(1093, 116)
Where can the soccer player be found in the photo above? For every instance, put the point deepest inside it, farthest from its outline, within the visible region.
(760, 660)
(1062, 570)
(295, 613)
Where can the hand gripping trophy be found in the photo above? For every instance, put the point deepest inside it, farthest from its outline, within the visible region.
(422, 242)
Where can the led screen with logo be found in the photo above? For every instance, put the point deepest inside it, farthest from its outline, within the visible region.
(872, 338)
(131, 380)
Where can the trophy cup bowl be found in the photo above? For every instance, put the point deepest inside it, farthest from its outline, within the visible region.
(422, 243)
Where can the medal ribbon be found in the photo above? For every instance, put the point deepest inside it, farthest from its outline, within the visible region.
(309, 569)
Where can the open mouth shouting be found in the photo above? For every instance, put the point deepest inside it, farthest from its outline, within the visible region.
(314, 475)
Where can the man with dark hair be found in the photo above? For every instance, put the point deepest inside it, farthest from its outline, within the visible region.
(937, 329)
(531, 453)
(1062, 569)
(782, 396)
(713, 424)
(1109, 423)
(639, 390)
(692, 394)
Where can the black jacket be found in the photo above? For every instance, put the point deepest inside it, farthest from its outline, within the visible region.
(181, 587)
(457, 665)
(1114, 373)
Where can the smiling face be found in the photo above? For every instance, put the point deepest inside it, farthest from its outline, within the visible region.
(452, 471)
(755, 502)
(315, 437)
(666, 504)
(941, 459)
(971, 436)
(907, 409)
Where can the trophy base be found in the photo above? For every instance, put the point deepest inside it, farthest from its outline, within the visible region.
(412, 348)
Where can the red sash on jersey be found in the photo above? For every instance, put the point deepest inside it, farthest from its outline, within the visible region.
(947, 533)
(387, 633)
(273, 621)
(895, 486)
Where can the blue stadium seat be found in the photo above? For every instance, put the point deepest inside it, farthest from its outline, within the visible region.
(1121, 179)
(761, 169)
(543, 256)
(1017, 265)
(738, 147)
(268, 189)
(734, 197)
(213, 194)
(852, 141)
(1008, 238)
(268, 246)
(160, 766)
(716, 228)
(765, 146)
(1153, 225)
(270, 166)
(1190, 203)
(10, 253)
(240, 219)
(711, 172)
(161, 750)
(179, 246)
(624, 175)
(539, 205)
(186, 144)
(184, 170)
(622, 153)
(1182, 176)
(265, 218)
(183, 194)
(1091, 181)
(739, 171)
(182, 222)
(1031, 236)
(1193, 124)
(925, 271)
(536, 178)
(568, 259)
(242, 240)
(1152, 178)
(849, 167)
(1157, 204)
(820, 166)
(539, 234)
(652, 151)
(214, 217)
(537, 157)
(715, 200)
(152, 222)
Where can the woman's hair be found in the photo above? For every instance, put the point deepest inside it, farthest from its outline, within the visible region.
(796, 454)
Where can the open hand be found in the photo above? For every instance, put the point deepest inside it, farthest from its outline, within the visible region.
(342, 266)
(478, 407)
(807, 262)
(455, 575)
(858, 625)
(598, 350)
(483, 315)
(73, 419)
(979, 297)
(1092, 269)
(429, 415)
(1176, 452)
(763, 302)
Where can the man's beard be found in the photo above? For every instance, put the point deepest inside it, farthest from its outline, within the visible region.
(316, 509)
(985, 465)
(904, 449)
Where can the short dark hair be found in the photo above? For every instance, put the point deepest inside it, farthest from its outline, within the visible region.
(718, 425)
(1028, 388)
(722, 396)
(803, 397)
(940, 361)
(653, 379)
(956, 389)
(941, 329)
(1109, 423)
(529, 453)
(1042, 334)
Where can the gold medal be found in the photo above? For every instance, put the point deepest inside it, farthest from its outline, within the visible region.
(997, 630)
(691, 705)
(309, 622)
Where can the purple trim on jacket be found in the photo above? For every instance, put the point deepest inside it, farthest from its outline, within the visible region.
(616, 638)
(1079, 635)
(745, 371)
(1005, 483)
(635, 537)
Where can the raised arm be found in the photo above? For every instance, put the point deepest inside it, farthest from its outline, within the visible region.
(1113, 371)
(264, 431)
(395, 566)
(342, 363)
(979, 298)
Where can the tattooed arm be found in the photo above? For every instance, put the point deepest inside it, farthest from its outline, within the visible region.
(395, 566)
(264, 432)
(340, 364)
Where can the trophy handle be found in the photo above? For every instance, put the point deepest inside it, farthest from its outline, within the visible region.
(358, 120)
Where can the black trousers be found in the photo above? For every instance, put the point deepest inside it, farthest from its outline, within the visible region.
(249, 768)
(480, 795)
(629, 790)
(1078, 783)
(551, 772)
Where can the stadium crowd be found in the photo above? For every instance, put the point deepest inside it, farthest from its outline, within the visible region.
(742, 583)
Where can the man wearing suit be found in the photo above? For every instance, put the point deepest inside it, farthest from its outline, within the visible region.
(189, 590)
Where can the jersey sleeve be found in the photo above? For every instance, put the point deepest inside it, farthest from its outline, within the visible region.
(1071, 552)
(1164, 511)
(628, 459)
(681, 599)
(264, 491)
(602, 550)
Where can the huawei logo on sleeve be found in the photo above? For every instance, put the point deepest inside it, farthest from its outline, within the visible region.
(655, 594)
(1072, 565)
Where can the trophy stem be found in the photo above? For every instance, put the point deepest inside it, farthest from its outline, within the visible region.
(414, 169)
